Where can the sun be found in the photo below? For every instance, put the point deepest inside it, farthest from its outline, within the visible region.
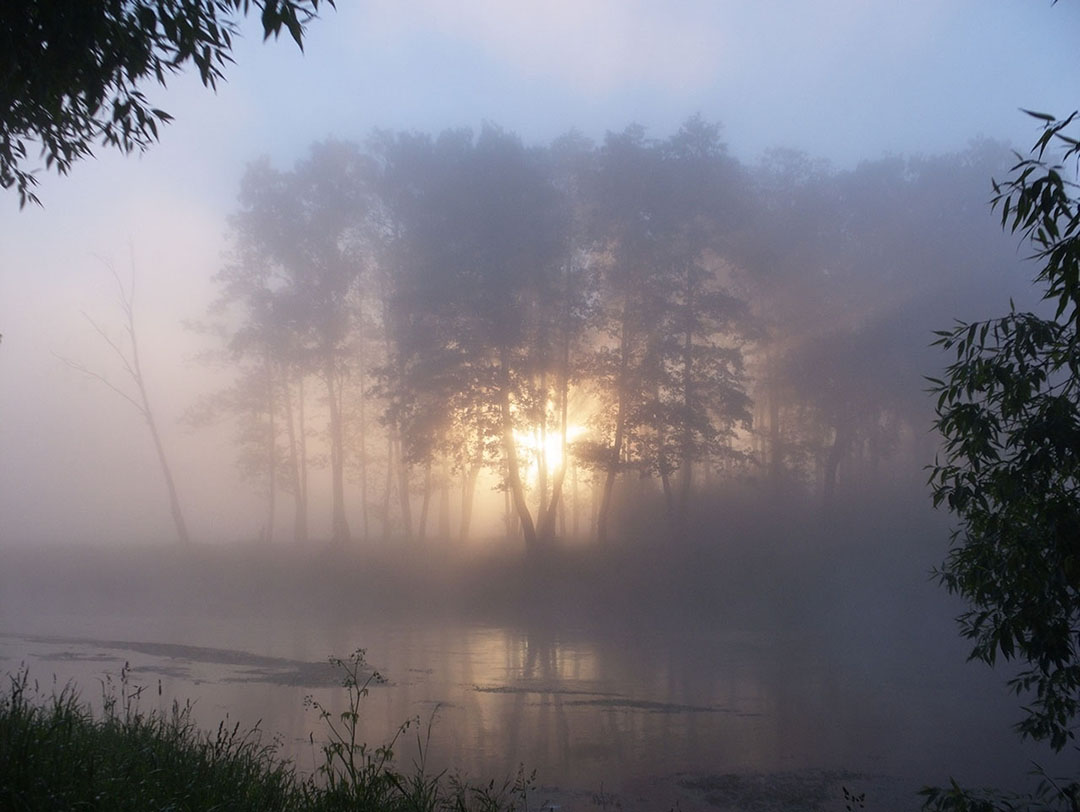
(536, 449)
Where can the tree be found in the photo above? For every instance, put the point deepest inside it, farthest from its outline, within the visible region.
(296, 286)
(1008, 409)
(140, 400)
(72, 73)
(701, 381)
(847, 272)
(629, 292)
(252, 402)
(266, 397)
(431, 380)
(667, 366)
(478, 308)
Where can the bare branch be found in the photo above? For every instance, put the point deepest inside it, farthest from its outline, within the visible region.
(75, 365)
(130, 362)
(115, 348)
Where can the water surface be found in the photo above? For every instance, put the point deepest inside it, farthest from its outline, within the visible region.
(857, 688)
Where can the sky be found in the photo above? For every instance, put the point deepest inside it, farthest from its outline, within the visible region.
(843, 80)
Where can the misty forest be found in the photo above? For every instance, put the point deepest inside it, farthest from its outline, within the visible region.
(442, 465)
(442, 336)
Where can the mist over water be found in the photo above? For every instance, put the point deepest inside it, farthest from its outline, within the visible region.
(570, 361)
(805, 659)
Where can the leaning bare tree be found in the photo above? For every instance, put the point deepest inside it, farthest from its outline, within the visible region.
(129, 361)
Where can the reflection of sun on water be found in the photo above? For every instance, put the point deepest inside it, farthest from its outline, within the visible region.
(499, 657)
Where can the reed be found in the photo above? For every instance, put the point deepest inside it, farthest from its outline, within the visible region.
(57, 754)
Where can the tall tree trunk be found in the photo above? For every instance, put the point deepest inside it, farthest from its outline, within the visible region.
(136, 373)
(403, 488)
(665, 470)
(669, 497)
(550, 511)
(468, 498)
(683, 516)
(841, 439)
(575, 502)
(542, 462)
(509, 516)
(546, 527)
(444, 502)
(389, 486)
(302, 519)
(174, 500)
(775, 450)
(687, 461)
(271, 450)
(339, 523)
(513, 471)
(615, 454)
(421, 530)
(562, 517)
(362, 439)
(594, 503)
(299, 495)
(133, 368)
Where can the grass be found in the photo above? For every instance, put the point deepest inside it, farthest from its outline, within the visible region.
(56, 754)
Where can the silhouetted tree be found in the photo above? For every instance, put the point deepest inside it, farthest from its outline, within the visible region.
(432, 380)
(307, 244)
(668, 363)
(702, 391)
(73, 72)
(1009, 411)
(481, 236)
(625, 243)
(252, 321)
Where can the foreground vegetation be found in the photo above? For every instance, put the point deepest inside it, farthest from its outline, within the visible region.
(56, 754)
(1009, 412)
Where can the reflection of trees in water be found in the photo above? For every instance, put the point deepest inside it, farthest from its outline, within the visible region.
(589, 706)
(462, 726)
(625, 702)
(605, 707)
(600, 707)
(548, 732)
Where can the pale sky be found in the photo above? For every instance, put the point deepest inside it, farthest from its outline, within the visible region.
(845, 80)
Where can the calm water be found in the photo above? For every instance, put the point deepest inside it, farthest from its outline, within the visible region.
(585, 706)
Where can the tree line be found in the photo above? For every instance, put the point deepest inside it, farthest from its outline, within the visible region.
(584, 325)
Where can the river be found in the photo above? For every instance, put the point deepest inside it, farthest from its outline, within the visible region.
(687, 711)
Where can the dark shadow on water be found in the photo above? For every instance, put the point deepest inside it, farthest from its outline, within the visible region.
(652, 707)
(250, 667)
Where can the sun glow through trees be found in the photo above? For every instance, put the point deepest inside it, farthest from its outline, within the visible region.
(544, 449)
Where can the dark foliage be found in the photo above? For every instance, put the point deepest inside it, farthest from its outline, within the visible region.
(1009, 412)
(56, 754)
(71, 74)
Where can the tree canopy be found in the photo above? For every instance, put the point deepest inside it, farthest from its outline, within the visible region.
(601, 336)
(72, 74)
